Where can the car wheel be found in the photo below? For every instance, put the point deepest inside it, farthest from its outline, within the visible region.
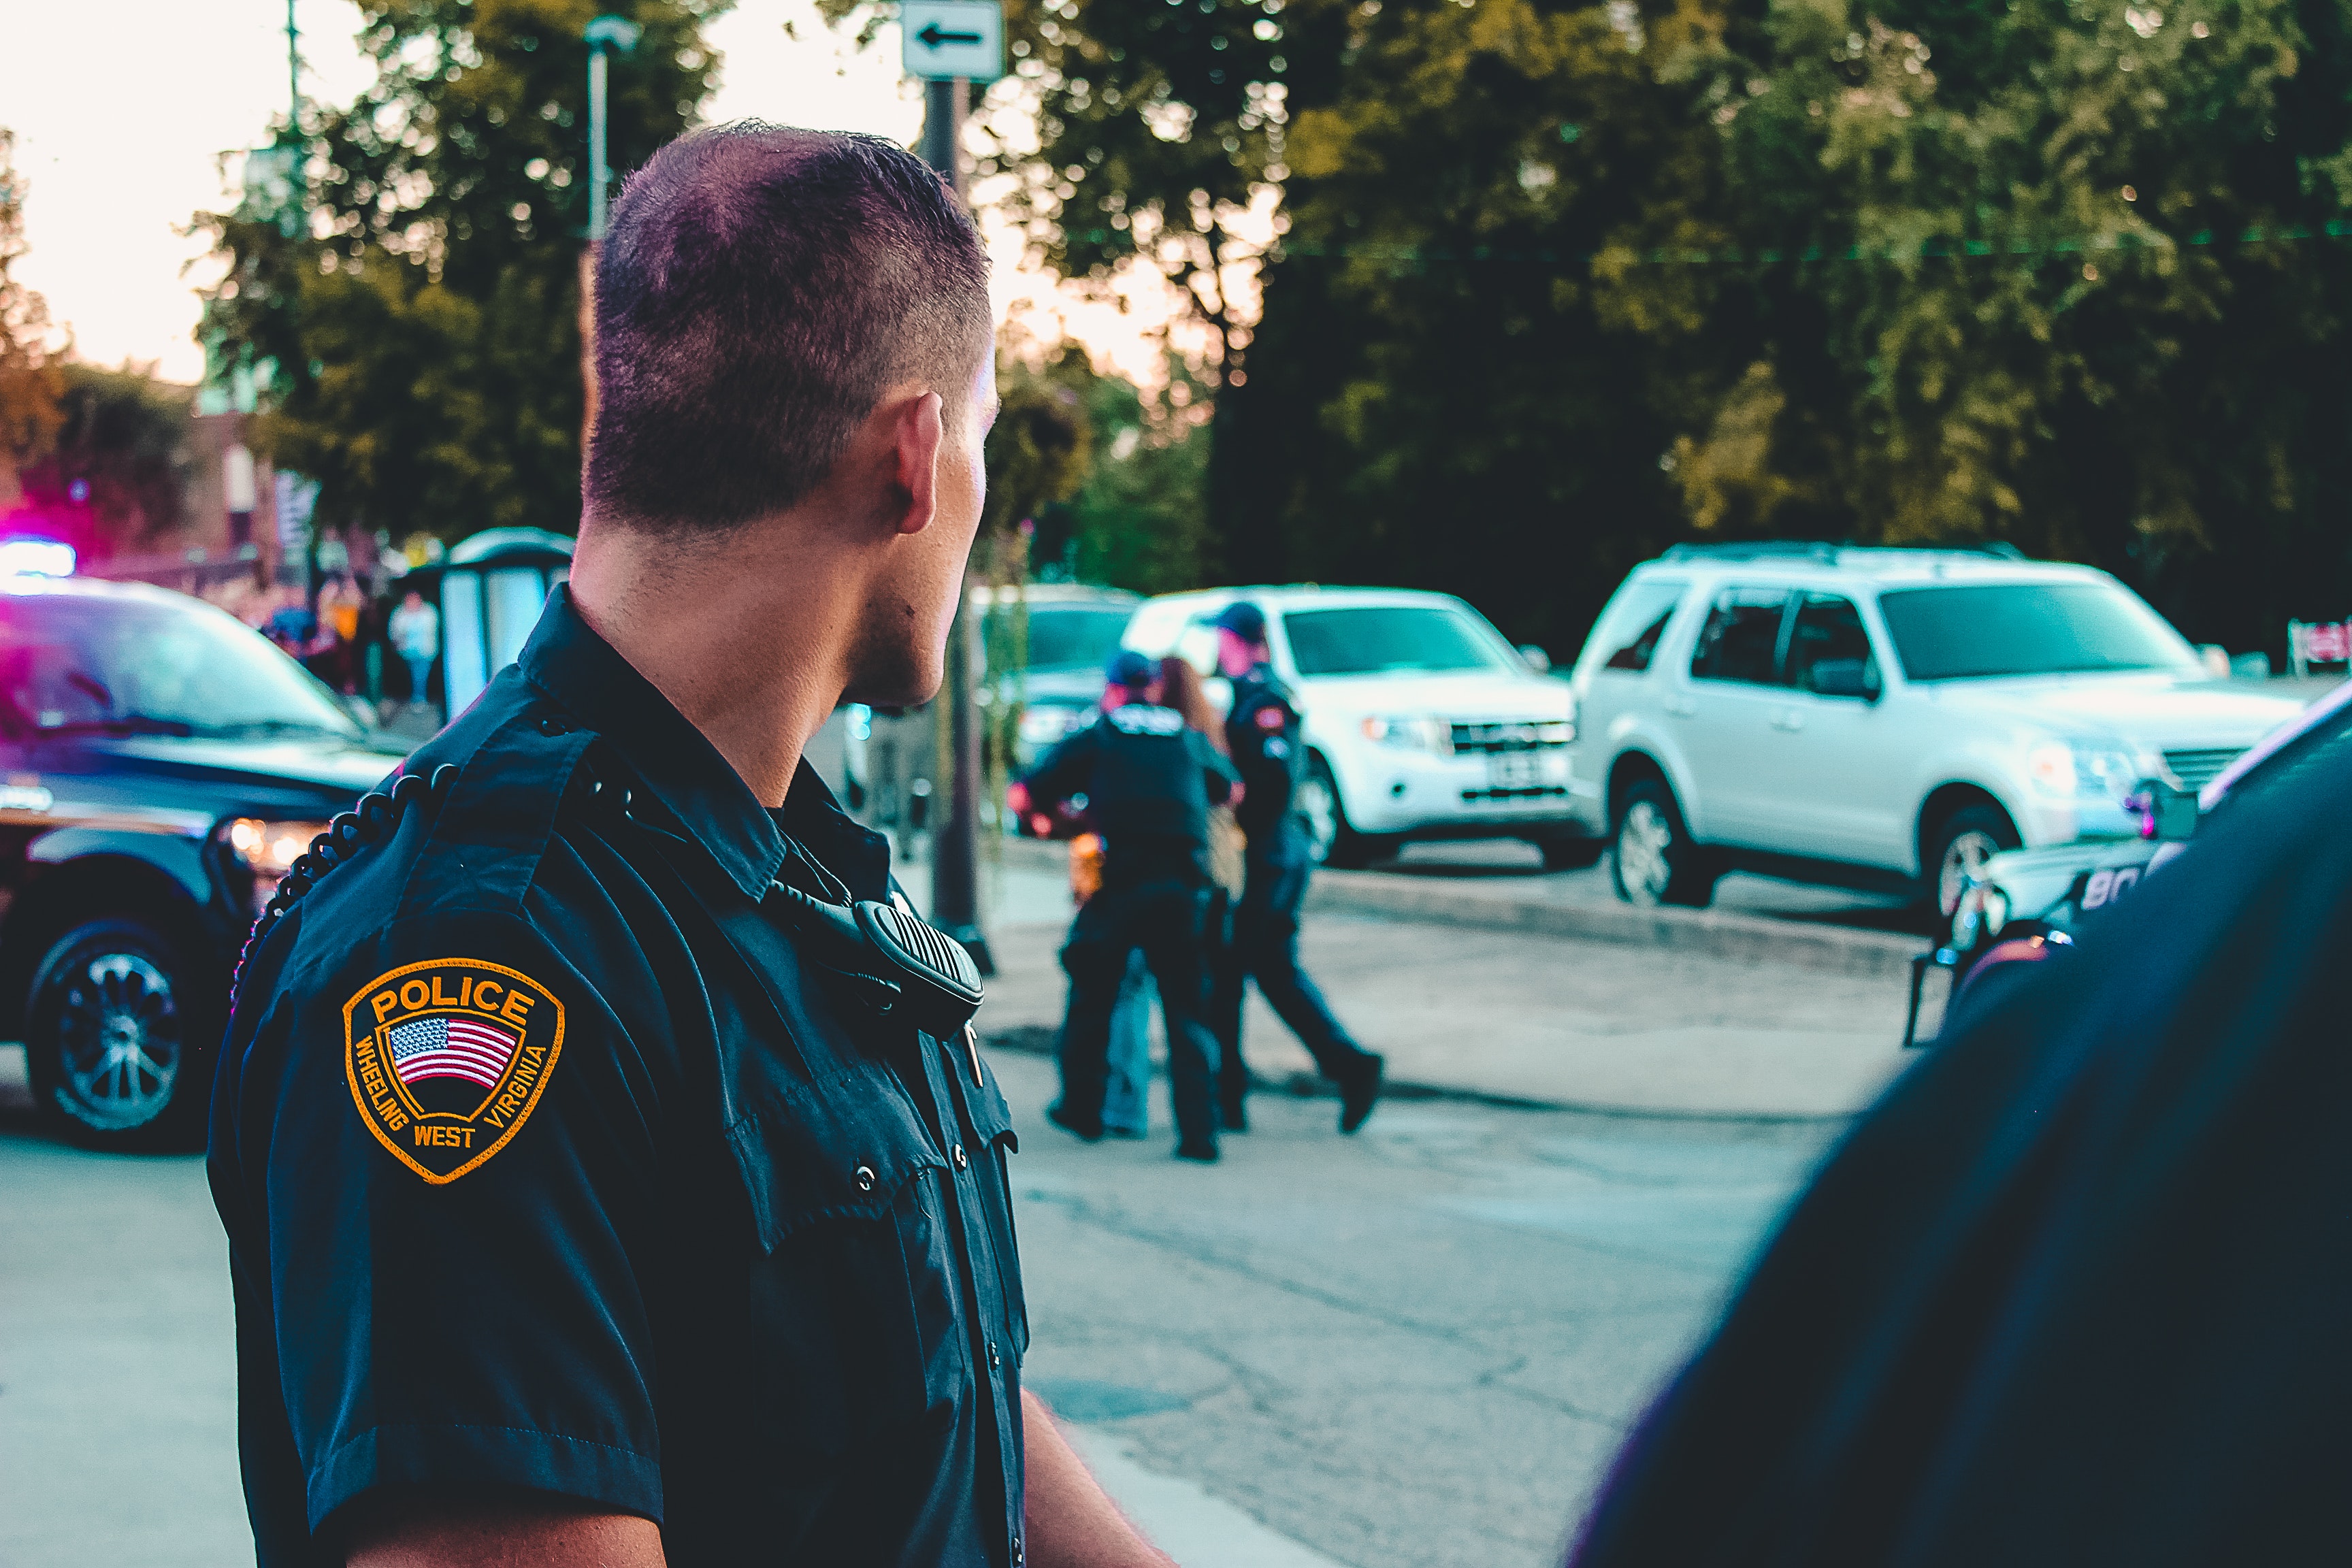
(1962, 844)
(1651, 859)
(112, 1042)
(1571, 854)
(1330, 840)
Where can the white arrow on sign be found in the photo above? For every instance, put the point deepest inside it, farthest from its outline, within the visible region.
(942, 39)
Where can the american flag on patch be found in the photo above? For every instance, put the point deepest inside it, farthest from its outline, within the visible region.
(451, 1047)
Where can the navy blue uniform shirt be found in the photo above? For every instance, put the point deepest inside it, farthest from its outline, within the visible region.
(1148, 780)
(1262, 731)
(548, 1161)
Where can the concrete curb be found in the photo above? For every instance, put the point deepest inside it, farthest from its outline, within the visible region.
(1753, 939)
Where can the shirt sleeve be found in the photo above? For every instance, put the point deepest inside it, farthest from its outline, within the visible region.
(1217, 773)
(449, 1137)
(1063, 772)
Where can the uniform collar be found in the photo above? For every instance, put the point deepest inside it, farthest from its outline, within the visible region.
(566, 659)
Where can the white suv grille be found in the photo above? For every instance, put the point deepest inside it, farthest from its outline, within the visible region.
(2200, 766)
(1516, 750)
(1511, 736)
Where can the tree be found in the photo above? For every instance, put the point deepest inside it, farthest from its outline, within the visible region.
(422, 334)
(1465, 378)
(2092, 304)
(117, 472)
(29, 380)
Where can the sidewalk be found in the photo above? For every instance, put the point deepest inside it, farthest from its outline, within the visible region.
(1473, 1007)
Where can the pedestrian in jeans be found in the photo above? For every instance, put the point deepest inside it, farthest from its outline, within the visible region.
(416, 632)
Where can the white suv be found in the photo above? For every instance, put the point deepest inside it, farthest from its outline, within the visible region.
(1422, 721)
(1881, 718)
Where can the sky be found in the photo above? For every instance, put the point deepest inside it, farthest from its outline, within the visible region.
(119, 150)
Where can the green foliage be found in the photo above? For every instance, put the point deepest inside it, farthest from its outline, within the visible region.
(1157, 122)
(1563, 283)
(422, 332)
(124, 434)
(1141, 520)
(1438, 395)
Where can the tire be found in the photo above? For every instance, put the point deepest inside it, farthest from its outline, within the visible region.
(116, 1042)
(1571, 854)
(1330, 840)
(1962, 841)
(1653, 859)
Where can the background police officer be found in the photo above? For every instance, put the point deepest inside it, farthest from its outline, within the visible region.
(1148, 780)
(1262, 734)
(591, 1196)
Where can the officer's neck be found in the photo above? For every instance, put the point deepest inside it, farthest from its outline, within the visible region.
(747, 641)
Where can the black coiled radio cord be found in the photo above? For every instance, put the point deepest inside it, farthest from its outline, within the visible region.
(375, 815)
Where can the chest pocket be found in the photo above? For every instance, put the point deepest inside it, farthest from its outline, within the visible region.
(854, 1294)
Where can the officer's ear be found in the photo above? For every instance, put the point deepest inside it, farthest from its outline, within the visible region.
(910, 428)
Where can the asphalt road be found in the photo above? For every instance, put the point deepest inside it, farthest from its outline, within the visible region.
(1416, 1346)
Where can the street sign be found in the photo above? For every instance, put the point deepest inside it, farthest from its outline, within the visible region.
(943, 39)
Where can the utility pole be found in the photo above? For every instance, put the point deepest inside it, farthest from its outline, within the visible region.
(606, 35)
(293, 76)
(955, 843)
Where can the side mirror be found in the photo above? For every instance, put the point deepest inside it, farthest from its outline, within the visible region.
(1845, 678)
(1538, 659)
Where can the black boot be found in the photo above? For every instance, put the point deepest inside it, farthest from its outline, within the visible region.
(1360, 1091)
(1091, 1131)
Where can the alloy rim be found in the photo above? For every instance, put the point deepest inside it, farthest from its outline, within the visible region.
(1964, 858)
(119, 1041)
(1644, 847)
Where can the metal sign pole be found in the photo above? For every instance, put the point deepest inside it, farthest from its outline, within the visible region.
(955, 844)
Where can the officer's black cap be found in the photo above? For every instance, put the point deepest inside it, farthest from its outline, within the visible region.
(1243, 619)
(1131, 670)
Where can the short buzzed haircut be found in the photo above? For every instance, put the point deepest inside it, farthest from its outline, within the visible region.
(759, 288)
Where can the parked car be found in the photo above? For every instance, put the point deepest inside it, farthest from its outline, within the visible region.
(1422, 720)
(1051, 668)
(2029, 905)
(164, 766)
(1882, 719)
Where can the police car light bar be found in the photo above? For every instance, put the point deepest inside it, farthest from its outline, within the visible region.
(36, 558)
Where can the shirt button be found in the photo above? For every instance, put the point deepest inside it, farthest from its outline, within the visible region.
(1017, 1558)
(864, 1177)
(994, 1360)
(551, 725)
(961, 1159)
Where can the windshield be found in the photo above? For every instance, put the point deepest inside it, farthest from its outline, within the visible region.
(1061, 637)
(2028, 628)
(1389, 640)
(71, 665)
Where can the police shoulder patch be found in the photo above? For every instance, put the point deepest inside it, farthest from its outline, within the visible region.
(447, 1059)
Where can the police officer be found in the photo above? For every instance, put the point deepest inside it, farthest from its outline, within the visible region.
(599, 1189)
(1262, 734)
(1148, 780)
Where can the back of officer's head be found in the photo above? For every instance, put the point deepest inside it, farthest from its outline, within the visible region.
(760, 290)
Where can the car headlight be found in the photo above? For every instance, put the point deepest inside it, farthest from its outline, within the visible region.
(2081, 770)
(1044, 726)
(267, 850)
(1411, 734)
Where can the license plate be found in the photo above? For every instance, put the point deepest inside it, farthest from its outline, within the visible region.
(1514, 770)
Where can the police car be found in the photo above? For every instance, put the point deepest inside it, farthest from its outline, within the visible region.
(161, 766)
